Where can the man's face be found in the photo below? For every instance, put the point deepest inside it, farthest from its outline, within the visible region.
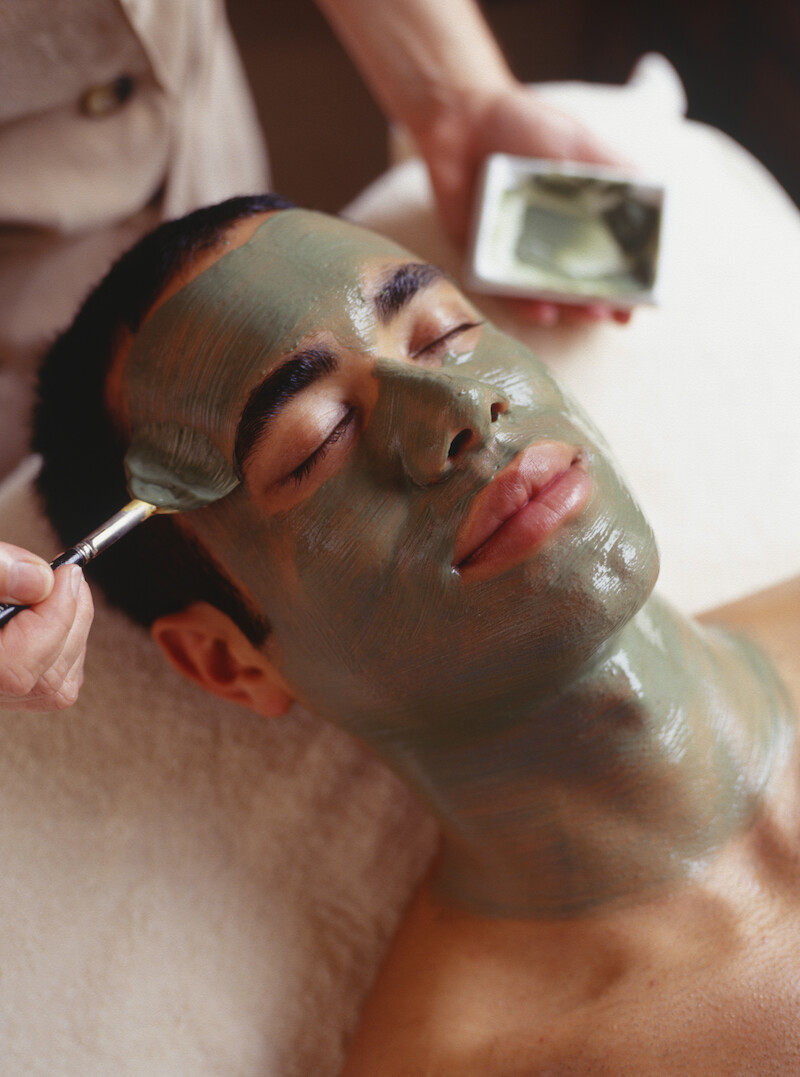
(430, 527)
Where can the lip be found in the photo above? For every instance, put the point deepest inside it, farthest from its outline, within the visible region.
(523, 505)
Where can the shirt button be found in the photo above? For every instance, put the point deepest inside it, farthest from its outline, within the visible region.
(103, 100)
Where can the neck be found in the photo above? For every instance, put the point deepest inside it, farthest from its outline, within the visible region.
(630, 776)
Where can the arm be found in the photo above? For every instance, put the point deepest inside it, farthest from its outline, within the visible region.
(42, 649)
(435, 68)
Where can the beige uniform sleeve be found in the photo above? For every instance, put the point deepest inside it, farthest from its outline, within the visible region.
(113, 115)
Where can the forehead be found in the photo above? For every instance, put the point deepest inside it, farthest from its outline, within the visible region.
(195, 361)
(299, 271)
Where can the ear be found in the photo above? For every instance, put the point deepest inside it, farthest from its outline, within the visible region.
(205, 646)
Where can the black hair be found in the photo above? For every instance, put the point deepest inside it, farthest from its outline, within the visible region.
(158, 568)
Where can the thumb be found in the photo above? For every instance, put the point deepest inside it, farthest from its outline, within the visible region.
(24, 577)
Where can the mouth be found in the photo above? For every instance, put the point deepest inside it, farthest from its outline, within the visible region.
(527, 502)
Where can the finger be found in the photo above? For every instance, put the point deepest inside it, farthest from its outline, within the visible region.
(537, 311)
(579, 143)
(24, 577)
(548, 314)
(32, 642)
(60, 686)
(576, 314)
(74, 648)
(53, 693)
(54, 686)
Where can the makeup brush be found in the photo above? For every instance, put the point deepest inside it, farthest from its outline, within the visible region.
(134, 513)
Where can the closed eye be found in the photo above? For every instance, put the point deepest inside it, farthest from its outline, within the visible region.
(440, 345)
(302, 471)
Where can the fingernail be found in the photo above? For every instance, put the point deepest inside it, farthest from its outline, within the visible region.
(29, 582)
(75, 579)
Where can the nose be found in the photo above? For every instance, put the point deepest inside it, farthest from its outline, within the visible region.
(435, 419)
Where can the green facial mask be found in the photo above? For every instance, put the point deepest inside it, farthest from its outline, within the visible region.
(374, 545)
(197, 358)
(375, 627)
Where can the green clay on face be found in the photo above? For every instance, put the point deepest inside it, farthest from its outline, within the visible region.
(197, 358)
(579, 740)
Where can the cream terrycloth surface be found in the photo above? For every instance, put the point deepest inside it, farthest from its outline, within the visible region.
(187, 889)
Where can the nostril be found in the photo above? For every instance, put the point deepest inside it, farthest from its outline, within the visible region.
(460, 441)
(498, 408)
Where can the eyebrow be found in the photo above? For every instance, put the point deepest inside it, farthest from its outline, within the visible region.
(275, 392)
(402, 286)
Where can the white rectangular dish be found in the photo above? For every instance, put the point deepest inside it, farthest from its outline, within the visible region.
(565, 232)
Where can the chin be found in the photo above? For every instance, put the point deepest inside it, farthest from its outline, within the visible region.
(525, 638)
(572, 616)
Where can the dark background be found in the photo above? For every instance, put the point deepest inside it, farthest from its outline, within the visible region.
(739, 62)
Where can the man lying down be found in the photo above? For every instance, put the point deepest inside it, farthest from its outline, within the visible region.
(406, 526)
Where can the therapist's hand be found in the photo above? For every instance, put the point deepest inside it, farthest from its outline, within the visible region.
(42, 649)
(436, 69)
(511, 120)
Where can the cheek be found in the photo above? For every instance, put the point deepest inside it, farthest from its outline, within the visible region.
(359, 537)
(343, 545)
(350, 581)
(251, 549)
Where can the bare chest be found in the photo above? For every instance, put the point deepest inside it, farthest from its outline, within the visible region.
(693, 985)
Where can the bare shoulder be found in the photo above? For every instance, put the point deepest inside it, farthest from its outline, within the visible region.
(781, 601)
(771, 618)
